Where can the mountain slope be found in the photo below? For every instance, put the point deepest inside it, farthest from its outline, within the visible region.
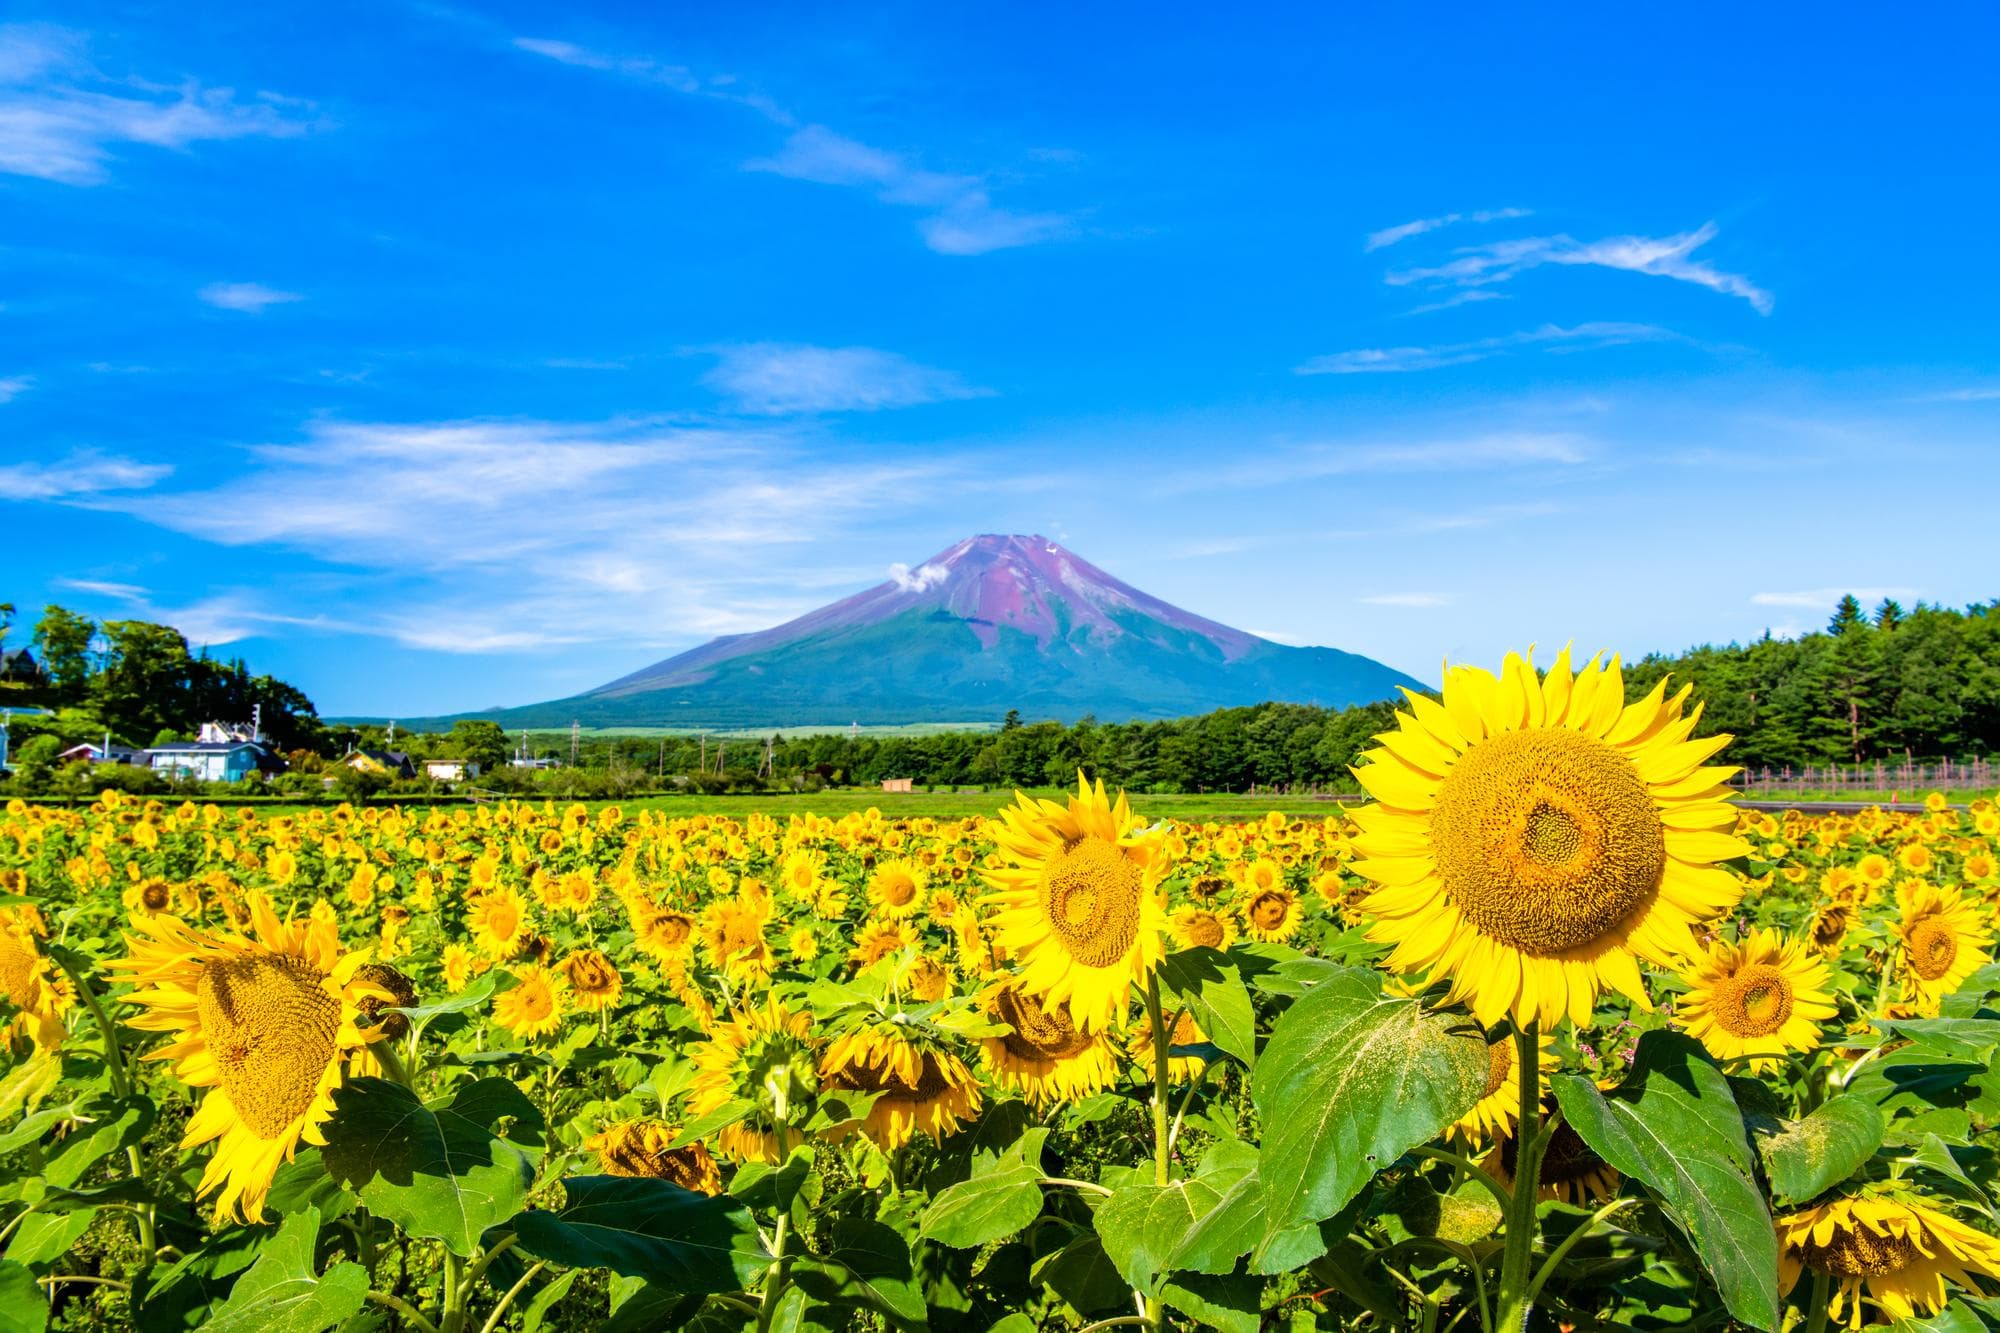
(993, 623)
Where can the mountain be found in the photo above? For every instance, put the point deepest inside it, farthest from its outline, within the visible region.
(993, 623)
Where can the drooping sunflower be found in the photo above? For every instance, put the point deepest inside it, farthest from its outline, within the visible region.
(896, 888)
(925, 1089)
(1900, 1250)
(1571, 1173)
(1534, 838)
(1829, 926)
(533, 1006)
(1192, 927)
(643, 1148)
(768, 1057)
(266, 1023)
(1045, 1056)
(593, 979)
(394, 1027)
(1077, 903)
(1498, 1109)
(1762, 997)
(1271, 914)
(1944, 940)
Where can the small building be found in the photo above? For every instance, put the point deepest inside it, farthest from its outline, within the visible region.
(389, 763)
(533, 764)
(214, 761)
(896, 784)
(102, 753)
(19, 667)
(450, 770)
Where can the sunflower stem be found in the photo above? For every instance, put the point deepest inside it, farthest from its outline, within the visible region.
(415, 1317)
(1821, 1298)
(1157, 1017)
(121, 1084)
(1516, 1294)
(1570, 1242)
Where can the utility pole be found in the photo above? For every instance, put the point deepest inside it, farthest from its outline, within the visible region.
(704, 752)
(721, 747)
(575, 740)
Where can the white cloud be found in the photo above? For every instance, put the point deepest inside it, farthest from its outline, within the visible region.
(1456, 299)
(209, 622)
(1391, 235)
(1376, 360)
(84, 473)
(1308, 462)
(921, 579)
(1409, 599)
(487, 536)
(645, 69)
(60, 117)
(1664, 257)
(1827, 598)
(960, 216)
(251, 298)
(1979, 394)
(775, 379)
(14, 387)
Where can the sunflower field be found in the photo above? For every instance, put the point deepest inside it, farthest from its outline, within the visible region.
(1549, 1034)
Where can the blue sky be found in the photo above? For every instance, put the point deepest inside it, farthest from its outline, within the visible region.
(436, 357)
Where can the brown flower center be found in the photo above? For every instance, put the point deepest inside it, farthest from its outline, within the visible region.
(1039, 1034)
(1090, 895)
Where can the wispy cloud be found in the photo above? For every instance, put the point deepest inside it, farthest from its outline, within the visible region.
(1377, 360)
(487, 536)
(646, 69)
(777, 379)
(252, 298)
(1406, 599)
(920, 579)
(60, 117)
(960, 217)
(14, 386)
(1309, 462)
(1974, 394)
(84, 473)
(1827, 598)
(1662, 256)
(206, 622)
(1391, 235)
(1467, 297)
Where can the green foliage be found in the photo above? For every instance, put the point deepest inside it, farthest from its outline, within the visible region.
(673, 1238)
(284, 1292)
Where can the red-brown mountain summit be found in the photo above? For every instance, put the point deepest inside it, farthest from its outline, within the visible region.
(992, 623)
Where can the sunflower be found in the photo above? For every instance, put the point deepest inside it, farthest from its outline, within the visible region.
(1271, 915)
(1077, 903)
(533, 1006)
(498, 922)
(457, 965)
(1185, 1032)
(1192, 927)
(1901, 1250)
(1828, 928)
(1571, 1171)
(266, 1023)
(593, 979)
(29, 982)
(927, 979)
(1534, 838)
(768, 1057)
(1761, 997)
(878, 940)
(1944, 941)
(402, 994)
(1498, 1109)
(1261, 875)
(665, 934)
(1044, 1055)
(896, 888)
(642, 1148)
(924, 1089)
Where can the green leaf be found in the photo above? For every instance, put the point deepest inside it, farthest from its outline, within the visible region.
(110, 1123)
(1935, 1155)
(676, 1239)
(1083, 1275)
(1673, 1126)
(869, 1267)
(282, 1293)
(1208, 983)
(773, 1187)
(547, 1299)
(182, 1297)
(695, 1131)
(436, 1169)
(1349, 1081)
(24, 1306)
(1143, 1226)
(995, 1203)
(1920, 1094)
(1231, 1304)
(1965, 1038)
(1805, 1157)
(43, 1237)
(26, 1084)
(1956, 1317)
(472, 997)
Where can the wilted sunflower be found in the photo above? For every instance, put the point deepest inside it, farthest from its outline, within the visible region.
(896, 888)
(533, 1006)
(642, 1148)
(768, 1057)
(265, 1023)
(1944, 941)
(1192, 927)
(1760, 997)
(666, 933)
(1498, 1109)
(1534, 838)
(593, 979)
(402, 994)
(1076, 901)
(1045, 1056)
(1901, 1250)
(1271, 914)
(924, 1088)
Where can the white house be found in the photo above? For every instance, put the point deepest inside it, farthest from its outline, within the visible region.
(451, 770)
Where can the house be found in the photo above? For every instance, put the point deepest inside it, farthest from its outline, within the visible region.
(532, 764)
(19, 667)
(450, 770)
(389, 763)
(104, 752)
(896, 784)
(214, 761)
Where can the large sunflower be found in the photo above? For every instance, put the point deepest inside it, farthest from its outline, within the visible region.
(1902, 1251)
(1761, 997)
(1077, 902)
(1044, 1055)
(924, 1089)
(768, 1057)
(1944, 941)
(267, 1024)
(1534, 838)
(29, 982)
